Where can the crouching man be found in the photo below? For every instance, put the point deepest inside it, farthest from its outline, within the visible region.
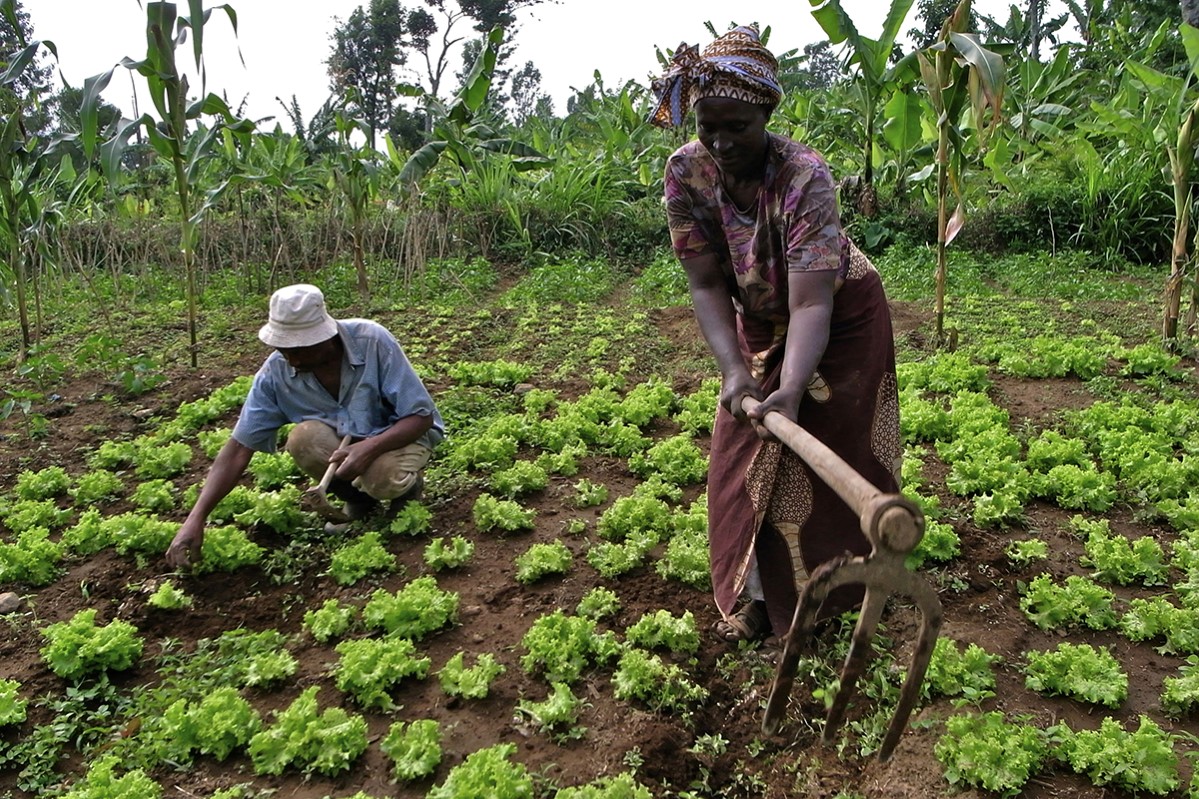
(331, 378)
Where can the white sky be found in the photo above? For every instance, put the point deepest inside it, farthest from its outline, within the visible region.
(285, 44)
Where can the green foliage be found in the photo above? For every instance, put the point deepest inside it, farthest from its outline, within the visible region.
(662, 686)
(1076, 487)
(470, 683)
(156, 496)
(560, 647)
(47, 483)
(413, 612)
(662, 629)
(541, 560)
(499, 374)
(95, 486)
(1180, 695)
(1157, 618)
(967, 673)
(443, 553)
(1024, 552)
(697, 411)
(486, 772)
(589, 494)
(504, 515)
(157, 460)
(985, 750)
(411, 520)
(280, 510)
(272, 470)
(1077, 601)
(628, 516)
(620, 786)
(217, 725)
(677, 460)
(686, 557)
(939, 544)
(169, 596)
(943, 373)
(598, 603)
(611, 559)
(12, 704)
(79, 646)
(557, 715)
(252, 659)
(227, 548)
(414, 749)
(522, 477)
(332, 619)
(33, 559)
(326, 742)
(370, 668)
(26, 514)
(350, 563)
(1135, 761)
(1118, 560)
(102, 782)
(1077, 671)
(646, 402)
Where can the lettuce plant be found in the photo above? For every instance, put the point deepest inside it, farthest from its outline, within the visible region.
(369, 668)
(350, 563)
(472, 682)
(413, 612)
(78, 646)
(1077, 671)
(541, 560)
(12, 705)
(443, 553)
(487, 772)
(557, 715)
(987, 751)
(414, 748)
(326, 742)
(332, 619)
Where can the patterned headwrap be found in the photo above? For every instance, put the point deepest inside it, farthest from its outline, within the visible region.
(735, 65)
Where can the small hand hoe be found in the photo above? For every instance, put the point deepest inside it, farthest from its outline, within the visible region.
(316, 499)
(894, 526)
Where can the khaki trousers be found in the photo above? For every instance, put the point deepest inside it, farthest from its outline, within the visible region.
(391, 475)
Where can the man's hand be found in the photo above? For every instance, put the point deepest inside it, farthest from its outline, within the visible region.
(354, 460)
(184, 551)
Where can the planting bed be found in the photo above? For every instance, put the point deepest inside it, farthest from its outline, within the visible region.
(698, 747)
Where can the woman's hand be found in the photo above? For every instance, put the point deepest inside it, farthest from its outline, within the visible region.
(782, 401)
(733, 388)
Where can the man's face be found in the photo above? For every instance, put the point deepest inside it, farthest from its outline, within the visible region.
(308, 359)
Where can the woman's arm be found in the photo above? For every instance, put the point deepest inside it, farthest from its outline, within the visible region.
(718, 322)
(810, 307)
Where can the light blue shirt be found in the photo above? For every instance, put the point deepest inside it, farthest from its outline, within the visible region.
(378, 388)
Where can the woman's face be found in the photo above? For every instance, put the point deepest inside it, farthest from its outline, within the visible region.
(734, 134)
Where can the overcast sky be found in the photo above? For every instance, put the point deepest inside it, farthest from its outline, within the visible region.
(285, 44)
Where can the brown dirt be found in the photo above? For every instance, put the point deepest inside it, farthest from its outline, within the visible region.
(979, 591)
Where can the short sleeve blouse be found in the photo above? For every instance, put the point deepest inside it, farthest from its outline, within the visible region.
(794, 225)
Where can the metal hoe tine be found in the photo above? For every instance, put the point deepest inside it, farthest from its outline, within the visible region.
(894, 526)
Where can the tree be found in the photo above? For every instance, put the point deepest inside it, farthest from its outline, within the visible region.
(821, 69)
(932, 15)
(34, 81)
(367, 49)
(527, 97)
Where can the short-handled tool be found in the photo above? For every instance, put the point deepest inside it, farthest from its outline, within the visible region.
(894, 526)
(316, 499)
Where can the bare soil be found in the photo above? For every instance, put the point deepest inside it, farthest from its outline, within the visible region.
(979, 591)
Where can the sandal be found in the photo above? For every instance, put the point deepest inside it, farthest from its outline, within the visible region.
(750, 623)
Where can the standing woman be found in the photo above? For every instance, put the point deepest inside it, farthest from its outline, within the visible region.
(795, 316)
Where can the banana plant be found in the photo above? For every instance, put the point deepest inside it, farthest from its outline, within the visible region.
(958, 72)
(871, 57)
(354, 174)
(1182, 158)
(171, 136)
(459, 133)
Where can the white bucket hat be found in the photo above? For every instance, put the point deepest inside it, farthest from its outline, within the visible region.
(298, 318)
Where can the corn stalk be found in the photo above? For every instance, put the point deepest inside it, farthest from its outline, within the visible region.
(169, 135)
(957, 69)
